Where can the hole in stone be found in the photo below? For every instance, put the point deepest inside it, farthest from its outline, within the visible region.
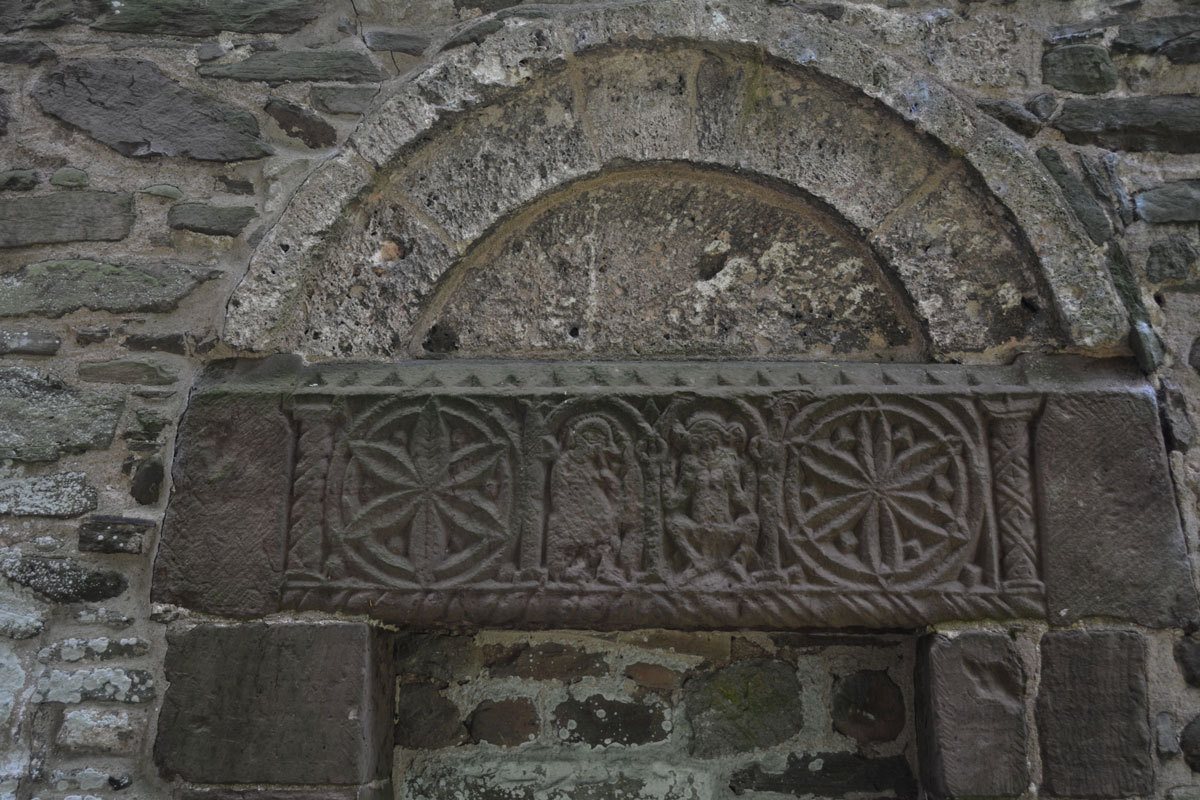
(1160, 299)
(574, 331)
(442, 338)
(285, 247)
(709, 265)
(1030, 304)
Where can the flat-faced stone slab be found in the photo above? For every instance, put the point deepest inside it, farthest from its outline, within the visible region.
(132, 107)
(292, 703)
(186, 18)
(46, 418)
(231, 486)
(65, 217)
(1093, 719)
(280, 67)
(971, 712)
(525, 494)
(54, 288)
(1106, 501)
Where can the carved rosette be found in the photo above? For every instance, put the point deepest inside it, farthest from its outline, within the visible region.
(887, 492)
(422, 492)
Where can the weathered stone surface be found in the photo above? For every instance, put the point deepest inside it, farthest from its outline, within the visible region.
(426, 719)
(1189, 743)
(1083, 68)
(29, 342)
(164, 190)
(741, 271)
(127, 370)
(1003, 300)
(283, 66)
(506, 723)
(971, 716)
(222, 544)
(289, 703)
(1172, 35)
(51, 418)
(64, 495)
(100, 730)
(20, 14)
(743, 707)
(1012, 114)
(100, 683)
(14, 52)
(1166, 736)
(186, 18)
(599, 721)
(132, 107)
(65, 217)
(22, 615)
(1171, 260)
(300, 123)
(446, 659)
(1168, 122)
(100, 648)
(1094, 682)
(147, 481)
(210, 220)
(1172, 202)
(1187, 655)
(1081, 200)
(830, 775)
(545, 661)
(54, 288)
(342, 99)
(1104, 502)
(113, 535)
(654, 677)
(69, 178)
(411, 43)
(63, 580)
(18, 180)
(1042, 105)
(868, 706)
(532, 772)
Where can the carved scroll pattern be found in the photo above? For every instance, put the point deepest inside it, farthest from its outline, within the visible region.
(850, 497)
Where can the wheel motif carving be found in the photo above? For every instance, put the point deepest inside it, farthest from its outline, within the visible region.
(427, 491)
(884, 493)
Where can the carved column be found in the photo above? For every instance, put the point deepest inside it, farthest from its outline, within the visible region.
(1012, 487)
(307, 546)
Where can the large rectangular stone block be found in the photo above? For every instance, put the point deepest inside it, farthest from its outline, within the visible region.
(607, 495)
(291, 703)
(971, 716)
(1092, 715)
(1112, 542)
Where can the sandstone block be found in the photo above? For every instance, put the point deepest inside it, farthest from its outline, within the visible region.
(63, 495)
(291, 703)
(599, 721)
(210, 220)
(971, 714)
(506, 723)
(868, 706)
(1092, 715)
(1168, 122)
(830, 775)
(284, 66)
(1082, 68)
(186, 18)
(426, 719)
(1172, 202)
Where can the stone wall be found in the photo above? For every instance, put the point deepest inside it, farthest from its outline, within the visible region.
(183, 183)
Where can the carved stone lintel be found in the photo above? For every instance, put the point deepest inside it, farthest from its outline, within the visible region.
(616, 496)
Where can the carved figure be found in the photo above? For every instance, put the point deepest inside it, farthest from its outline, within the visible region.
(710, 513)
(586, 505)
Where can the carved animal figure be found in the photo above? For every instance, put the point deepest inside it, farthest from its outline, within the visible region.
(710, 517)
(585, 505)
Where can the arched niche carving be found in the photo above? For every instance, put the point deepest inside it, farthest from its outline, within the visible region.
(971, 239)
